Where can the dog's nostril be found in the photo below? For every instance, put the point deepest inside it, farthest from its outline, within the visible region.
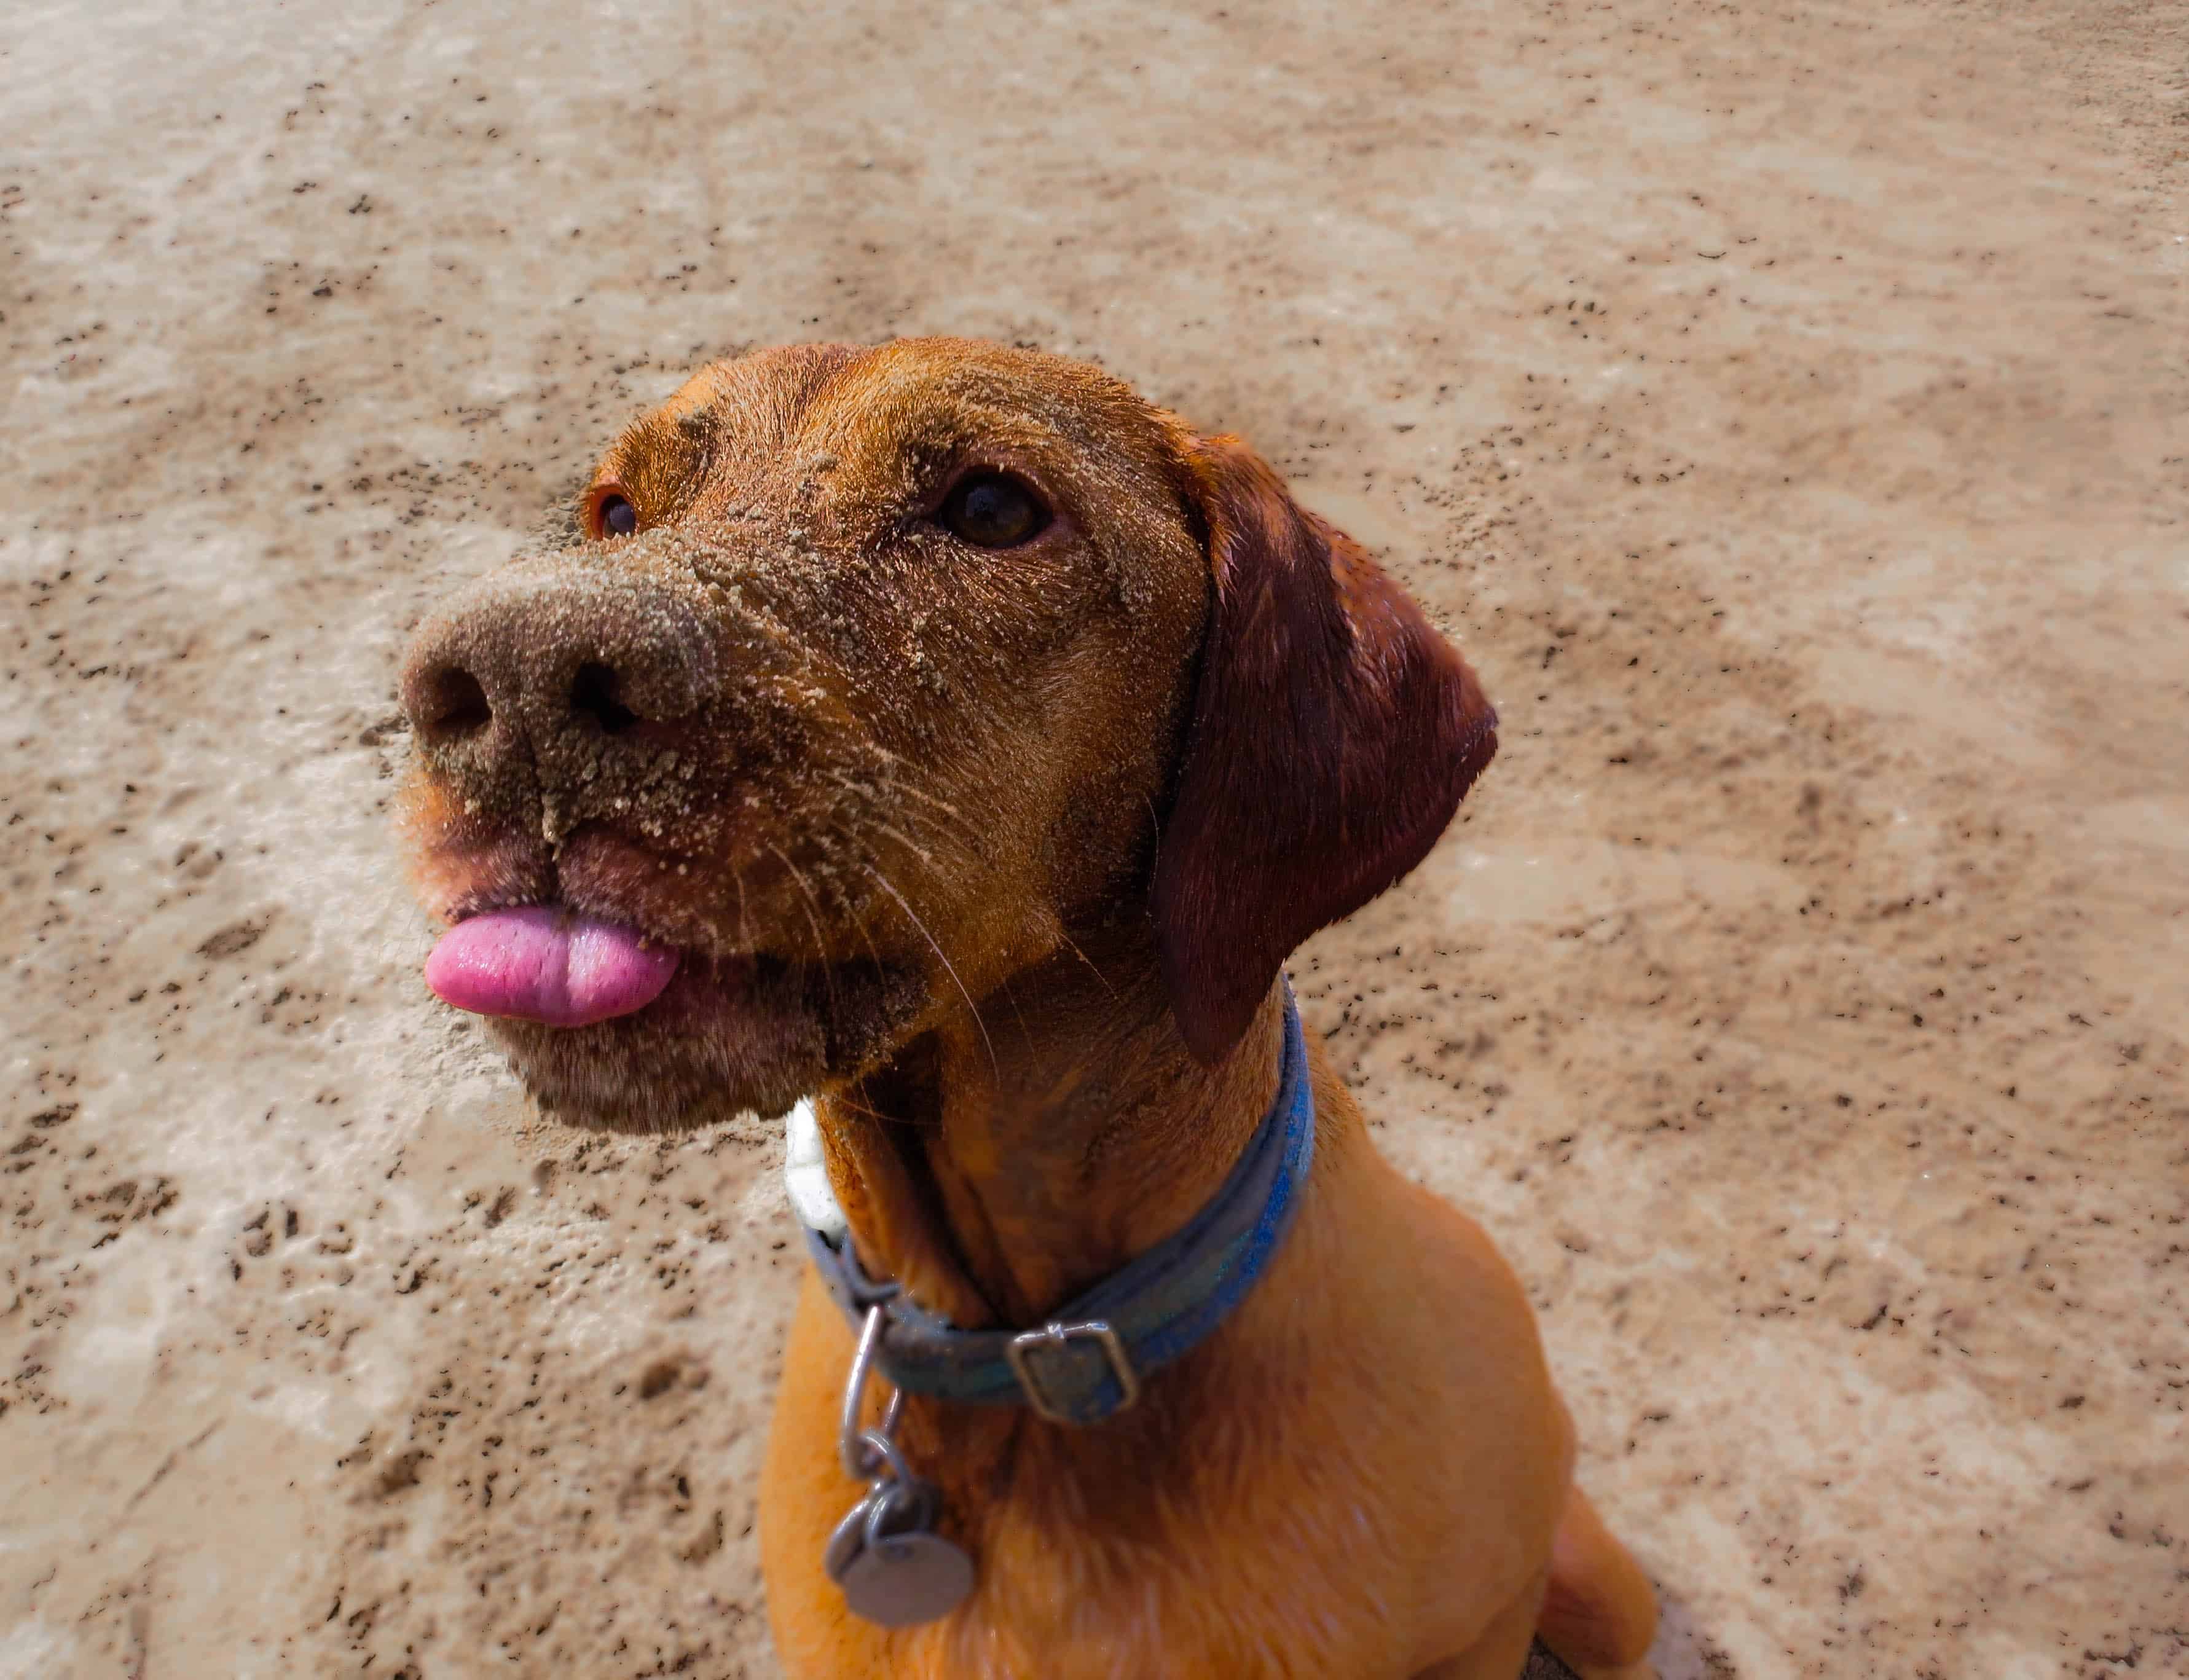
(592, 694)
(455, 706)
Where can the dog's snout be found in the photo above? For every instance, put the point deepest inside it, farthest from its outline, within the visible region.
(446, 703)
(547, 654)
(593, 693)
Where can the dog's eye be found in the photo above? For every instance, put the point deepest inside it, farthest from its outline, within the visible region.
(613, 516)
(609, 512)
(992, 510)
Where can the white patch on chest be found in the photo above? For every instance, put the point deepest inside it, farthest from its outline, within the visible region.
(805, 1173)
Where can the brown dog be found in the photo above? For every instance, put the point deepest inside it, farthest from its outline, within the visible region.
(942, 729)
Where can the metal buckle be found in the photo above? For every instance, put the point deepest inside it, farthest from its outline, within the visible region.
(1096, 1331)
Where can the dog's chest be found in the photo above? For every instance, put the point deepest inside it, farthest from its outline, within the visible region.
(1229, 1610)
(1280, 1577)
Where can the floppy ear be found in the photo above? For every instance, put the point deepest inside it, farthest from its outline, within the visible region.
(1333, 734)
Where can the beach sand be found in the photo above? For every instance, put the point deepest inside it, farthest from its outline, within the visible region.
(1786, 407)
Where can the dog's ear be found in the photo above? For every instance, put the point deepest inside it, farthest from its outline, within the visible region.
(1333, 734)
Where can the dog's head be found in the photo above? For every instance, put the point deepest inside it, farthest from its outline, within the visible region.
(867, 677)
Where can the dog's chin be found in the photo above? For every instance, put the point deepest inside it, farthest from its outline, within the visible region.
(746, 1036)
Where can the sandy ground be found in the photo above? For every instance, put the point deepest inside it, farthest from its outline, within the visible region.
(1789, 407)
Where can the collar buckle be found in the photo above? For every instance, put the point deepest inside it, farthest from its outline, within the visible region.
(1063, 1382)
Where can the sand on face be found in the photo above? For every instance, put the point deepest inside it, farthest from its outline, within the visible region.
(1787, 411)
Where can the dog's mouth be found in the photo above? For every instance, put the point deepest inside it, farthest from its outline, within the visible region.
(611, 1026)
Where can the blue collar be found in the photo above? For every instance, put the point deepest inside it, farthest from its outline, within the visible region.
(1087, 1363)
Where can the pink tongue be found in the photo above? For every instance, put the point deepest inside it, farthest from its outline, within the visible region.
(547, 964)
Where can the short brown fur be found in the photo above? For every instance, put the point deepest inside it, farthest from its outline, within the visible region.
(1000, 851)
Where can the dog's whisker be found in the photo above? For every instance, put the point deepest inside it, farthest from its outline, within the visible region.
(813, 920)
(943, 877)
(955, 854)
(994, 1066)
(845, 1099)
(1011, 998)
(745, 923)
(906, 841)
(953, 865)
(957, 833)
(908, 786)
(857, 920)
(926, 798)
(887, 788)
(1072, 946)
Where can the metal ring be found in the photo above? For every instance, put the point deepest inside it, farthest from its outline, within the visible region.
(887, 1495)
(887, 1459)
(852, 1440)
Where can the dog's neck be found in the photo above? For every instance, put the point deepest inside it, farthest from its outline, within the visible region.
(1005, 1164)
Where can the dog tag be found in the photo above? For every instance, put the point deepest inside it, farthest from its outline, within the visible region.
(895, 1571)
(902, 1580)
(847, 1541)
(906, 1505)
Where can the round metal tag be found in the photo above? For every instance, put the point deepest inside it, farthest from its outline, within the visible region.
(902, 1580)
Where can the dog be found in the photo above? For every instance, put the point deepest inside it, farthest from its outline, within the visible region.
(941, 728)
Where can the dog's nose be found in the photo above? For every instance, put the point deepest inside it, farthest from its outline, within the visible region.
(551, 655)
